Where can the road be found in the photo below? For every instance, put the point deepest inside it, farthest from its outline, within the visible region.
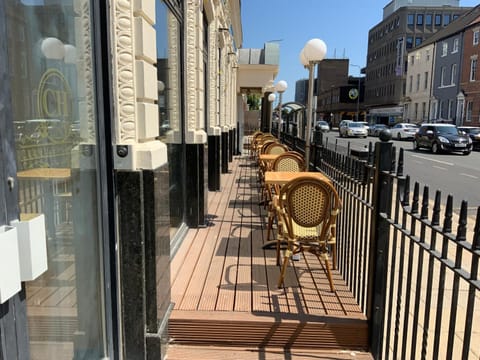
(454, 174)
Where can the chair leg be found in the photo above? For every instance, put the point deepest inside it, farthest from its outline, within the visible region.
(334, 256)
(284, 268)
(270, 224)
(329, 274)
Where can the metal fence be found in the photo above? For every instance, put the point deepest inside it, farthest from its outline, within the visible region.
(408, 258)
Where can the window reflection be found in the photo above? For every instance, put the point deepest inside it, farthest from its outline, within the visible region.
(167, 27)
(52, 86)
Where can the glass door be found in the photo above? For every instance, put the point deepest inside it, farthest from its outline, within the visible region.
(53, 100)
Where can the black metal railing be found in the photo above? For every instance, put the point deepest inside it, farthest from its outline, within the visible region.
(408, 258)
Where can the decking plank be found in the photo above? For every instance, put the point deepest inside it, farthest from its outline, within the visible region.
(208, 298)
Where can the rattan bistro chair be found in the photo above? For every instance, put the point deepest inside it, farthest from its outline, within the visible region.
(288, 161)
(308, 209)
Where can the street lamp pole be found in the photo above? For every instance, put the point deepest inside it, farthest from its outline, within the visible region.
(280, 87)
(312, 53)
(271, 99)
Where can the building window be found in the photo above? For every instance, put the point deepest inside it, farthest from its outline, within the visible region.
(410, 84)
(418, 82)
(444, 48)
(424, 110)
(438, 20)
(453, 74)
(442, 77)
(416, 111)
(412, 60)
(455, 45)
(409, 42)
(425, 84)
(476, 37)
(428, 19)
(410, 19)
(450, 109)
(419, 19)
(446, 19)
(427, 55)
(418, 40)
(473, 69)
(468, 115)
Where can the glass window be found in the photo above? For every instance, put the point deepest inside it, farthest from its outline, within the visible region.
(54, 109)
(169, 69)
(444, 48)
(446, 19)
(409, 42)
(455, 45)
(453, 74)
(418, 40)
(450, 109)
(476, 37)
(425, 80)
(428, 19)
(473, 69)
(419, 19)
(468, 115)
(418, 82)
(442, 76)
(410, 19)
(438, 20)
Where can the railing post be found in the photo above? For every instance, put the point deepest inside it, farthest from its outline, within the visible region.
(318, 142)
(378, 247)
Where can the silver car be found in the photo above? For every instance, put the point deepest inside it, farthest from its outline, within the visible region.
(356, 129)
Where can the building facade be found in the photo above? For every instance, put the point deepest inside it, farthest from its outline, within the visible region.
(435, 90)
(117, 117)
(469, 79)
(405, 26)
(339, 96)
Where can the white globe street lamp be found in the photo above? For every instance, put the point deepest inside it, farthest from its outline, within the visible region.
(280, 87)
(312, 53)
(271, 99)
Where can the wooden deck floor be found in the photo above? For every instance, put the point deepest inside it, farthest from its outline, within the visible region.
(224, 285)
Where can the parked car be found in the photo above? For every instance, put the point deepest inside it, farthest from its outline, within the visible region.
(342, 124)
(353, 128)
(402, 131)
(442, 137)
(374, 130)
(323, 125)
(367, 126)
(474, 133)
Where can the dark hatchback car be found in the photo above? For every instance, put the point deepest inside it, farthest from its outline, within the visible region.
(474, 133)
(442, 137)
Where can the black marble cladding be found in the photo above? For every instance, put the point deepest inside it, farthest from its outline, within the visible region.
(231, 142)
(197, 184)
(144, 227)
(214, 163)
(224, 152)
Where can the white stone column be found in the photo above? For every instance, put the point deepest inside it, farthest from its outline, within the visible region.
(136, 123)
(195, 134)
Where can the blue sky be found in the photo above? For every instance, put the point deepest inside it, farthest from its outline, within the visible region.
(342, 24)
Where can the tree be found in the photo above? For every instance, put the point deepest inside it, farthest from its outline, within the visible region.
(253, 101)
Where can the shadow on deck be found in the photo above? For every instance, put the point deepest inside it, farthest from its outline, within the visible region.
(224, 285)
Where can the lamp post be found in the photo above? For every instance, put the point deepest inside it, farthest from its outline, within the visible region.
(358, 91)
(312, 53)
(280, 87)
(271, 99)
